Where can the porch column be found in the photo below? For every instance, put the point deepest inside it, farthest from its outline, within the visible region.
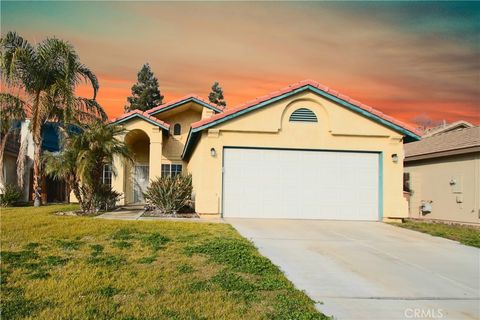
(118, 180)
(155, 160)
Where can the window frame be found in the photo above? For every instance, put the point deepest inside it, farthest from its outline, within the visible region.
(107, 175)
(177, 129)
(171, 169)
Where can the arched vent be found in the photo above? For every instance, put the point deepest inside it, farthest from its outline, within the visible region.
(303, 115)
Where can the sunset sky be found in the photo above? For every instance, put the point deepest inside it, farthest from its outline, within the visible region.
(405, 59)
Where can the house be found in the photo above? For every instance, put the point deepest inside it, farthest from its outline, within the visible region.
(53, 191)
(447, 127)
(303, 152)
(442, 172)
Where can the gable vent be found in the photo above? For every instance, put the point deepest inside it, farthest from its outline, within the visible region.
(303, 115)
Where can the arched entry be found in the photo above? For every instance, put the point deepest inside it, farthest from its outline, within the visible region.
(137, 172)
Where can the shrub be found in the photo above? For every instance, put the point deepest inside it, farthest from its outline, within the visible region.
(170, 194)
(106, 198)
(9, 195)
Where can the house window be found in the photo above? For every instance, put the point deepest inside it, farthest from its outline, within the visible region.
(171, 170)
(177, 129)
(107, 175)
(406, 182)
(303, 115)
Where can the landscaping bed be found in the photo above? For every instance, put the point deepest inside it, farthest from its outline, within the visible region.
(468, 235)
(62, 267)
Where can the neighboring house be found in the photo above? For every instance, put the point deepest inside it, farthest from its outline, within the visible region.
(442, 171)
(52, 190)
(447, 127)
(303, 152)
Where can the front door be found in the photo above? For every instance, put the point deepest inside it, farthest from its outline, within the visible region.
(140, 182)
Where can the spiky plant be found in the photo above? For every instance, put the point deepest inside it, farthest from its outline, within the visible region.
(170, 194)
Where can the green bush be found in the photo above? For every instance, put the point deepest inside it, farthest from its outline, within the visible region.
(170, 194)
(106, 198)
(9, 195)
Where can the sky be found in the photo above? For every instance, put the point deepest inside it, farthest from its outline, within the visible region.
(407, 59)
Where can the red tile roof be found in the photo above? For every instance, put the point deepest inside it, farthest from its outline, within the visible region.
(298, 85)
(187, 97)
(140, 113)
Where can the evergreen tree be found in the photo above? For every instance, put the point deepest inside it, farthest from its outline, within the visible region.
(145, 93)
(216, 95)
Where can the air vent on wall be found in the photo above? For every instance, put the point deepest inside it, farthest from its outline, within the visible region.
(303, 115)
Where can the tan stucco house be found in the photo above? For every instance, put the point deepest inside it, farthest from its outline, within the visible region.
(442, 172)
(303, 152)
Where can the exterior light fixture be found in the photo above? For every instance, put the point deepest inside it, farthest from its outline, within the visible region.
(213, 152)
(395, 158)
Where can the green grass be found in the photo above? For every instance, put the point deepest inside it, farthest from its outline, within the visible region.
(62, 267)
(467, 235)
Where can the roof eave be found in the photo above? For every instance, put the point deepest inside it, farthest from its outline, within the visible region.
(182, 102)
(136, 115)
(407, 133)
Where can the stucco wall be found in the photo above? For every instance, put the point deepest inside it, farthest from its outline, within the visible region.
(430, 181)
(337, 129)
(173, 145)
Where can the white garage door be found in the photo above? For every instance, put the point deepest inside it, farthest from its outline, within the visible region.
(293, 184)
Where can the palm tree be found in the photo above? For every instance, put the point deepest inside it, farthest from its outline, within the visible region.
(83, 158)
(48, 75)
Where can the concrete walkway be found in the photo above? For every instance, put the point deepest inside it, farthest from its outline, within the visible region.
(371, 270)
(135, 213)
(123, 213)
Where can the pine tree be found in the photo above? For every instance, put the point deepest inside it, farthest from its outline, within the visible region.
(145, 93)
(216, 95)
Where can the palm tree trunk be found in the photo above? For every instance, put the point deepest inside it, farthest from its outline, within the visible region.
(37, 177)
(37, 150)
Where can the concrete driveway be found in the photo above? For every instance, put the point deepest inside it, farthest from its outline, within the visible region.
(371, 270)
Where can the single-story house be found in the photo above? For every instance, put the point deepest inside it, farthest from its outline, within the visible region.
(442, 173)
(303, 152)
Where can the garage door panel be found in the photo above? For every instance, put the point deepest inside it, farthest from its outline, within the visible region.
(266, 183)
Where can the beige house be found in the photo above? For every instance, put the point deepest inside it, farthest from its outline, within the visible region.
(303, 152)
(442, 171)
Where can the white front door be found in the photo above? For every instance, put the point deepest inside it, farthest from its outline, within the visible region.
(140, 182)
(298, 184)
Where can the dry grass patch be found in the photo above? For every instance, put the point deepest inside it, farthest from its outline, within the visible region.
(61, 267)
(464, 234)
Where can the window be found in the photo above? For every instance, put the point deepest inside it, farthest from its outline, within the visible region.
(107, 175)
(303, 115)
(171, 170)
(406, 182)
(177, 129)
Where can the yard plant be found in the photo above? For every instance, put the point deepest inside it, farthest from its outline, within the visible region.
(60, 267)
(171, 193)
(81, 163)
(9, 195)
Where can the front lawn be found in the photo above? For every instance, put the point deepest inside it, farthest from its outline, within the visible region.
(467, 235)
(61, 267)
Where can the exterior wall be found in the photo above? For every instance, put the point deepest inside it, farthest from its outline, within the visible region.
(430, 181)
(161, 149)
(173, 145)
(337, 129)
(10, 169)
